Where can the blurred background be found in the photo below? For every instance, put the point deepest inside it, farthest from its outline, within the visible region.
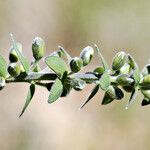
(112, 24)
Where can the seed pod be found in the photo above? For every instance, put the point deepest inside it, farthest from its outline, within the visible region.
(99, 70)
(13, 69)
(119, 60)
(13, 57)
(2, 83)
(38, 48)
(76, 64)
(145, 102)
(115, 92)
(146, 93)
(86, 55)
(124, 80)
(146, 70)
(146, 79)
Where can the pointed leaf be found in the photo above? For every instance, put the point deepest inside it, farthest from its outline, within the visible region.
(22, 59)
(57, 65)
(107, 99)
(56, 91)
(105, 65)
(29, 98)
(104, 81)
(3, 67)
(93, 93)
(132, 98)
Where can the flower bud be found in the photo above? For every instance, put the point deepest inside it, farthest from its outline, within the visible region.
(146, 79)
(13, 57)
(99, 70)
(124, 79)
(119, 60)
(76, 64)
(2, 83)
(86, 55)
(146, 93)
(115, 92)
(13, 69)
(38, 48)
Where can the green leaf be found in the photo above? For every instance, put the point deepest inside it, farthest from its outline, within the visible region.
(104, 81)
(137, 75)
(57, 65)
(92, 94)
(132, 97)
(56, 91)
(22, 59)
(107, 99)
(3, 67)
(105, 65)
(29, 98)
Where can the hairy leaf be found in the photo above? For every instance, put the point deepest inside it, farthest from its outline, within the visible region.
(29, 98)
(92, 94)
(3, 67)
(57, 65)
(56, 91)
(104, 81)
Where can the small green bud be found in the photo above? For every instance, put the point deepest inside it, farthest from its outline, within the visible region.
(76, 64)
(13, 69)
(38, 48)
(124, 80)
(119, 60)
(146, 70)
(146, 79)
(99, 70)
(146, 93)
(86, 55)
(2, 83)
(125, 69)
(78, 84)
(115, 92)
(13, 57)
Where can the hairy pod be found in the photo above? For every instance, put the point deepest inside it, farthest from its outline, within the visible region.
(99, 70)
(13, 57)
(38, 48)
(2, 83)
(115, 92)
(124, 80)
(119, 60)
(86, 55)
(76, 64)
(146, 79)
(13, 69)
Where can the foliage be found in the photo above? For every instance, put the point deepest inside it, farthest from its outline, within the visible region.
(61, 76)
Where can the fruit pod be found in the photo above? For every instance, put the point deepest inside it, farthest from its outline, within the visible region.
(13, 69)
(146, 93)
(86, 55)
(13, 57)
(124, 80)
(99, 70)
(146, 79)
(115, 92)
(2, 83)
(38, 48)
(119, 60)
(76, 64)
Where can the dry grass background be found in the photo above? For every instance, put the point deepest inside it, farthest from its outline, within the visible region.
(115, 25)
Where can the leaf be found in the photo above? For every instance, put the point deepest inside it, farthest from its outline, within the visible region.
(29, 98)
(57, 65)
(3, 67)
(137, 75)
(56, 91)
(93, 93)
(104, 81)
(22, 59)
(105, 65)
(107, 99)
(132, 97)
